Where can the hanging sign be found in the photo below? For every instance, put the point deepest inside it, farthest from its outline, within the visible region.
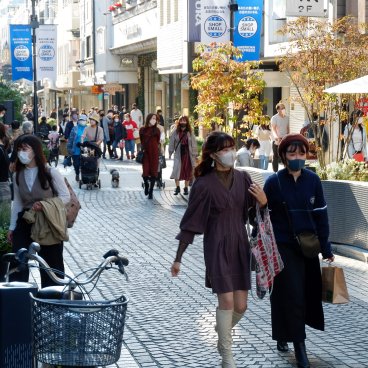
(248, 25)
(21, 51)
(215, 21)
(46, 51)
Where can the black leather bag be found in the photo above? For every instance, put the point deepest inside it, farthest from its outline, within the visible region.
(139, 157)
(309, 244)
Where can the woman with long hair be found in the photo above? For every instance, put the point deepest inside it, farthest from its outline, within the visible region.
(263, 134)
(34, 181)
(149, 135)
(218, 208)
(184, 147)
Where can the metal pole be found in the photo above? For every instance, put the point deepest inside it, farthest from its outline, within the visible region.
(233, 6)
(34, 25)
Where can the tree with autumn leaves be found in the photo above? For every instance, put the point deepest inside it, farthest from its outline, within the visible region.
(321, 54)
(226, 87)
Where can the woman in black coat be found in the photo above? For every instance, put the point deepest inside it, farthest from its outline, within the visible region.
(119, 134)
(296, 299)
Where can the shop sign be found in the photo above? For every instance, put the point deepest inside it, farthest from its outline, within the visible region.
(305, 8)
(96, 90)
(112, 88)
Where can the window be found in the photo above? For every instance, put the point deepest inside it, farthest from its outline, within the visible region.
(168, 11)
(176, 10)
(161, 13)
(100, 40)
(88, 47)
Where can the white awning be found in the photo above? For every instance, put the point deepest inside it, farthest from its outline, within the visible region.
(359, 85)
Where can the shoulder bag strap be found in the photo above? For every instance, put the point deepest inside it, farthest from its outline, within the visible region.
(178, 143)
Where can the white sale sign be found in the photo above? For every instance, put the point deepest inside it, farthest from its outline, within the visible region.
(215, 21)
(46, 51)
(305, 8)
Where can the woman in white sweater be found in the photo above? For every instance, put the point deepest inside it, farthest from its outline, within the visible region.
(34, 181)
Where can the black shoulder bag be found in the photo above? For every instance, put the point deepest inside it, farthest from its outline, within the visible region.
(307, 240)
(140, 154)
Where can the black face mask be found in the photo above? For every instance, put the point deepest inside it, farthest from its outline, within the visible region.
(102, 115)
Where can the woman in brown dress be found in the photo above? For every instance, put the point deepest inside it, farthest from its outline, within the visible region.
(184, 147)
(149, 135)
(218, 208)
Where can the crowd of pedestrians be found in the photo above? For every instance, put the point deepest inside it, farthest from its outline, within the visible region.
(221, 201)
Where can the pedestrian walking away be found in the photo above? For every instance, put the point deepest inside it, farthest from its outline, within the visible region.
(279, 128)
(150, 138)
(218, 207)
(297, 204)
(73, 147)
(263, 134)
(184, 147)
(40, 194)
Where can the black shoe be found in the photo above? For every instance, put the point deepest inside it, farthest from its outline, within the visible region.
(301, 355)
(150, 195)
(177, 191)
(282, 346)
(185, 191)
(77, 178)
(146, 187)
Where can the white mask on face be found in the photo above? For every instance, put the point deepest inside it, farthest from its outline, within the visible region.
(283, 111)
(82, 122)
(116, 120)
(25, 157)
(227, 158)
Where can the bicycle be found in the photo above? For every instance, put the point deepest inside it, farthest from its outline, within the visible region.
(67, 329)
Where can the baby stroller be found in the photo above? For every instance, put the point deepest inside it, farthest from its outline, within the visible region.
(161, 165)
(90, 153)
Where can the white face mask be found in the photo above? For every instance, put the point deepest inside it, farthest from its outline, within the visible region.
(82, 122)
(227, 158)
(116, 120)
(92, 122)
(25, 157)
(283, 111)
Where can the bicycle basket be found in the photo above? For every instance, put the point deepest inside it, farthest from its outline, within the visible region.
(78, 332)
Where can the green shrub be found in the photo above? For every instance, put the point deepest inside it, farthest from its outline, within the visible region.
(345, 170)
(5, 246)
(199, 145)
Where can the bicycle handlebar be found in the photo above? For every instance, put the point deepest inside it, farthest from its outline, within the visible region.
(23, 256)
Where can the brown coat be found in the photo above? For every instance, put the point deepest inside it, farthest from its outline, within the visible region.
(220, 214)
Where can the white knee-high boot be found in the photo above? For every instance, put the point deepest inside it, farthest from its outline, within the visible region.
(224, 319)
(236, 318)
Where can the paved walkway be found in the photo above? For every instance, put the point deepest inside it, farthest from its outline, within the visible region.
(171, 320)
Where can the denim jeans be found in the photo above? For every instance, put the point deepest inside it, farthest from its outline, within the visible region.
(263, 162)
(114, 146)
(76, 163)
(129, 146)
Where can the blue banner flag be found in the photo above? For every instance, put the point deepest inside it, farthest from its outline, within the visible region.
(248, 24)
(21, 51)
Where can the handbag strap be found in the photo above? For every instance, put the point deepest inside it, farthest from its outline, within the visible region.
(179, 142)
(288, 214)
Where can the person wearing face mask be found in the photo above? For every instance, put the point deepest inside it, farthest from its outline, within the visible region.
(73, 148)
(35, 182)
(149, 135)
(244, 156)
(296, 299)
(279, 128)
(108, 130)
(71, 123)
(184, 147)
(218, 206)
(119, 134)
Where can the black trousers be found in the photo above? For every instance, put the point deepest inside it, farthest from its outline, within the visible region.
(52, 254)
(276, 157)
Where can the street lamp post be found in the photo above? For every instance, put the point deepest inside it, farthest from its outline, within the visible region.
(233, 6)
(34, 25)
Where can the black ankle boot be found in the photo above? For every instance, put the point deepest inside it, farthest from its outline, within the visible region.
(301, 355)
(282, 346)
(186, 191)
(177, 190)
(150, 190)
(146, 185)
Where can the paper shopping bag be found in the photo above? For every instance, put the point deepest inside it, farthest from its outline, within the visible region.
(334, 288)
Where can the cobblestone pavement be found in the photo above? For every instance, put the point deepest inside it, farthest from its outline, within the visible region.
(171, 320)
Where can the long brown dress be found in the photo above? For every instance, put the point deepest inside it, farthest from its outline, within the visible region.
(220, 214)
